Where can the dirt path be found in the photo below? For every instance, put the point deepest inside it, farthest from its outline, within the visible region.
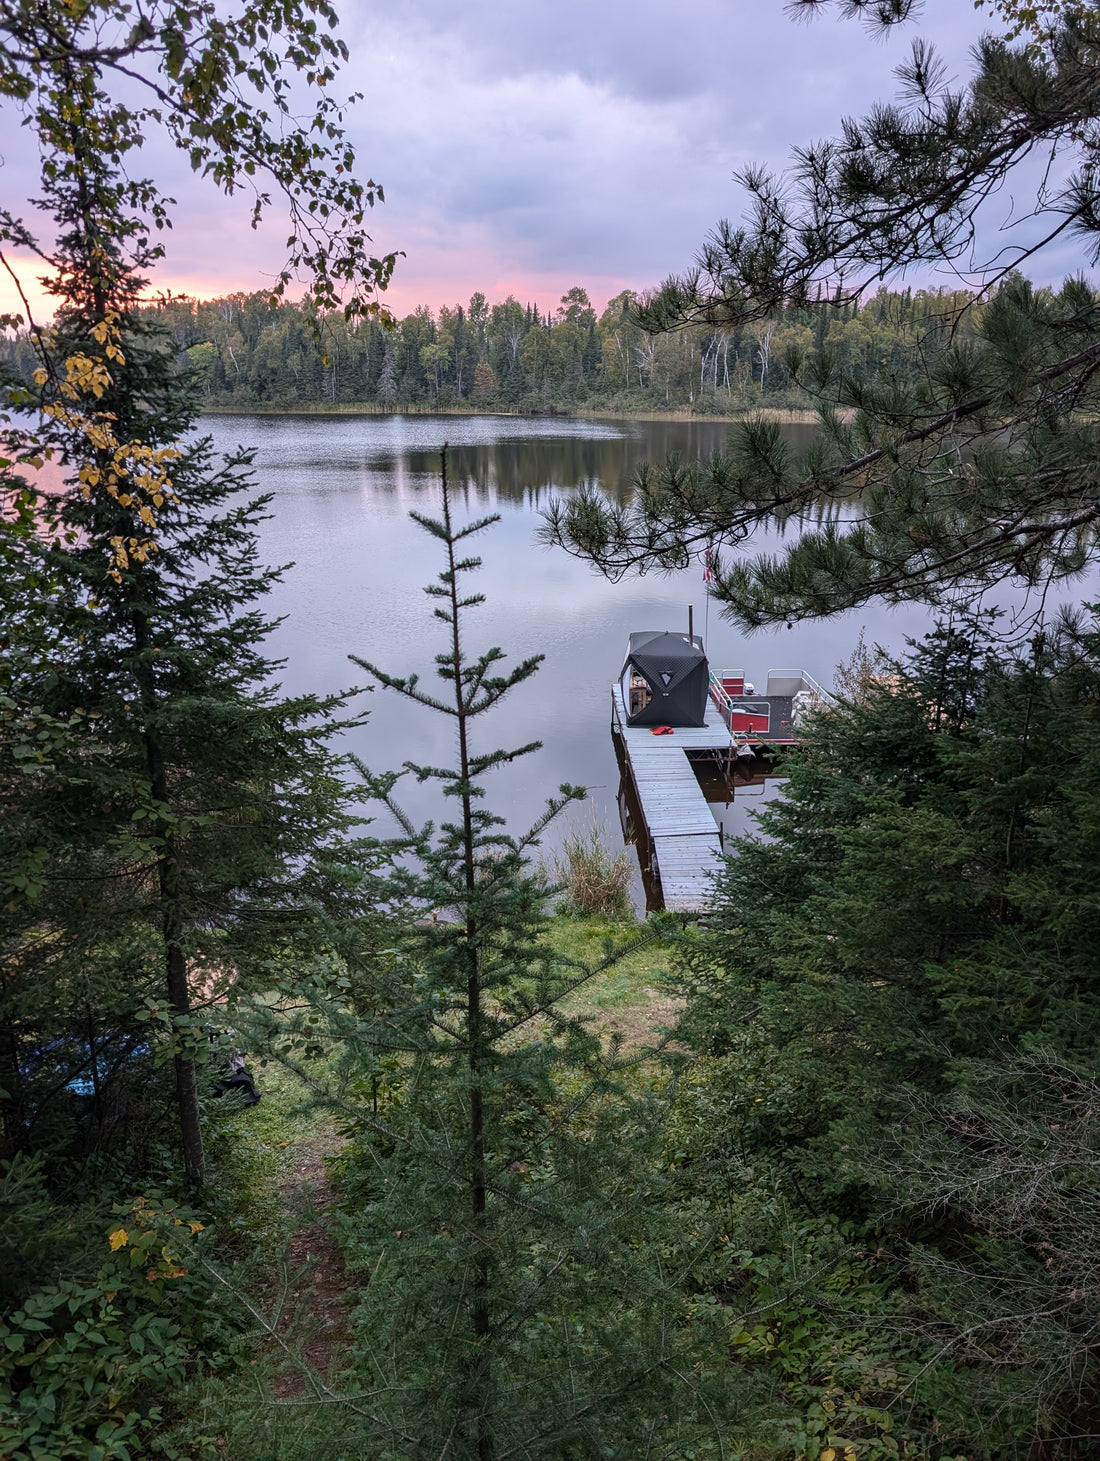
(319, 1298)
(293, 1142)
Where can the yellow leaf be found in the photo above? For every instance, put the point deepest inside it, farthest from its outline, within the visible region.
(119, 1238)
(196, 1227)
(828, 1454)
(41, 377)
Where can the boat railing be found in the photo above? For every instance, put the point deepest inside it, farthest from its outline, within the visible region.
(752, 708)
(808, 682)
(721, 697)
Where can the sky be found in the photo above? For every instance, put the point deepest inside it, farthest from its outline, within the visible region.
(526, 146)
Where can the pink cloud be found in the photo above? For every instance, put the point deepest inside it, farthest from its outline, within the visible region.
(16, 294)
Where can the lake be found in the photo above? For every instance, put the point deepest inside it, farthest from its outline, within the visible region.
(343, 487)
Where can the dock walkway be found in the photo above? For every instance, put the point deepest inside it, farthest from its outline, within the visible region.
(686, 845)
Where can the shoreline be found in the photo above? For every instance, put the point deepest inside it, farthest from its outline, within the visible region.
(786, 417)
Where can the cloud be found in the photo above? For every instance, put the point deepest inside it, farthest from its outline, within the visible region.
(538, 173)
(748, 51)
(530, 147)
(575, 142)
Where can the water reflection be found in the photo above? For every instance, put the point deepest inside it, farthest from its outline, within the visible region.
(342, 488)
(511, 459)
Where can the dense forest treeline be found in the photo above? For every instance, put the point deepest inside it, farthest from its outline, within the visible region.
(513, 356)
(250, 351)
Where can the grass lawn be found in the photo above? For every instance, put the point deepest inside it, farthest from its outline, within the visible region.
(271, 1156)
(628, 998)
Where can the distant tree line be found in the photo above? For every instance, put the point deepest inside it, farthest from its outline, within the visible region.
(252, 351)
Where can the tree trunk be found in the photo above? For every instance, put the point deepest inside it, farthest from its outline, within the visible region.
(172, 922)
(11, 1106)
(179, 995)
(480, 1375)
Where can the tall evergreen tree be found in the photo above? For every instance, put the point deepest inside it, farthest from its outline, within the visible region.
(180, 823)
(194, 810)
(894, 993)
(387, 381)
(523, 1294)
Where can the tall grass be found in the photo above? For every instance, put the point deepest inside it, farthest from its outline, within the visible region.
(594, 882)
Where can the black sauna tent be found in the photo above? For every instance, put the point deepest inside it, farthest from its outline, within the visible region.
(665, 679)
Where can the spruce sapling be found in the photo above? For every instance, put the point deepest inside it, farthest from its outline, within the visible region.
(502, 1203)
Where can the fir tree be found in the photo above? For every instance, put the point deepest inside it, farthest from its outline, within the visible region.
(181, 812)
(502, 1197)
(485, 384)
(894, 993)
(387, 381)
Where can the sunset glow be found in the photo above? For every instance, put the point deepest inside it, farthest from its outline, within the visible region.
(517, 161)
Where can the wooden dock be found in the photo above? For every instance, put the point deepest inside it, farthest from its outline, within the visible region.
(685, 840)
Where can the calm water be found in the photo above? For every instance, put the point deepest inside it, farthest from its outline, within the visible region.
(342, 491)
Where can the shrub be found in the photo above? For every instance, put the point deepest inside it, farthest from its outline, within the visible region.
(90, 1344)
(594, 882)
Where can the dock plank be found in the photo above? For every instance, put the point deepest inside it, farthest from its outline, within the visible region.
(681, 830)
(686, 845)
